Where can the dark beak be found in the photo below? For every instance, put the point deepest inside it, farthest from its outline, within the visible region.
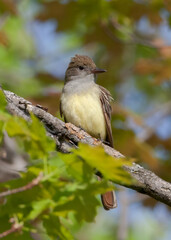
(98, 70)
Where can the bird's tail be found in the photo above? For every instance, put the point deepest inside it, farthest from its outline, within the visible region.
(109, 200)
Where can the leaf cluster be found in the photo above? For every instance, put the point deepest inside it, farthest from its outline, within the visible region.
(68, 190)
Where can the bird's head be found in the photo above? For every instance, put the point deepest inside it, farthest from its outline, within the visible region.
(80, 67)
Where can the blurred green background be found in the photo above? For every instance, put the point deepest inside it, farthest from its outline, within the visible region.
(131, 39)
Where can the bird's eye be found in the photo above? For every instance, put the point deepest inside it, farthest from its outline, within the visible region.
(81, 68)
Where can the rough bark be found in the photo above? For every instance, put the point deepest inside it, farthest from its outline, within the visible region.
(68, 135)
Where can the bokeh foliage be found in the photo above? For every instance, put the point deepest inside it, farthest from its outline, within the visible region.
(68, 185)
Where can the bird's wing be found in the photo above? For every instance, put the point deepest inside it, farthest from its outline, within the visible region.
(61, 112)
(105, 99)
(60, 109)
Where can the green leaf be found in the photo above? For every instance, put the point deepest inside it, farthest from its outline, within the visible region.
(17, 127)
(110, 167)
(33, 134)
(38, 207)
(55, 228)
(1, 130)
(82, 200)
(3, 101)
(44, 143)
(77, 167)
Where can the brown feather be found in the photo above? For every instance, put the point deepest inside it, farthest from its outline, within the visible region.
(109, 200)
(79, 60)
(60, 109)
(61, 112)
(105, 99)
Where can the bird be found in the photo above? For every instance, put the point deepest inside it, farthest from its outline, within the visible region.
(87, 105)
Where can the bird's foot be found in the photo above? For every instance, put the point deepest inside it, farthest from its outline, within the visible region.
(81, 128)
(106, 142)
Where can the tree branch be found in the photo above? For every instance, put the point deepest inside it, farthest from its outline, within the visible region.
(30, 185)
(18, 226)
(68, 135)
(14, 228)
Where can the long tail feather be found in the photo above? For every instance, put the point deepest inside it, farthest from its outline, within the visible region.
(109, 200)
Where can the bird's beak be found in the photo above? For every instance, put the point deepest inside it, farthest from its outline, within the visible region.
(98, 70)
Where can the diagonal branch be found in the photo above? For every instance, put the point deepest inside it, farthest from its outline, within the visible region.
(68, 135)
(30, 185)
(18, 226)
(14, 228)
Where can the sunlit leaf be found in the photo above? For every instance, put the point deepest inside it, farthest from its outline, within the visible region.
(3, 101)
(110, 167)
(56, 229)
(38, 207)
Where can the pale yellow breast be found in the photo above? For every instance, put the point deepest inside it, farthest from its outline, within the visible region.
(84, 110)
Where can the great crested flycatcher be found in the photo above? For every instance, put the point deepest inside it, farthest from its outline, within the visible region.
(87, 105)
